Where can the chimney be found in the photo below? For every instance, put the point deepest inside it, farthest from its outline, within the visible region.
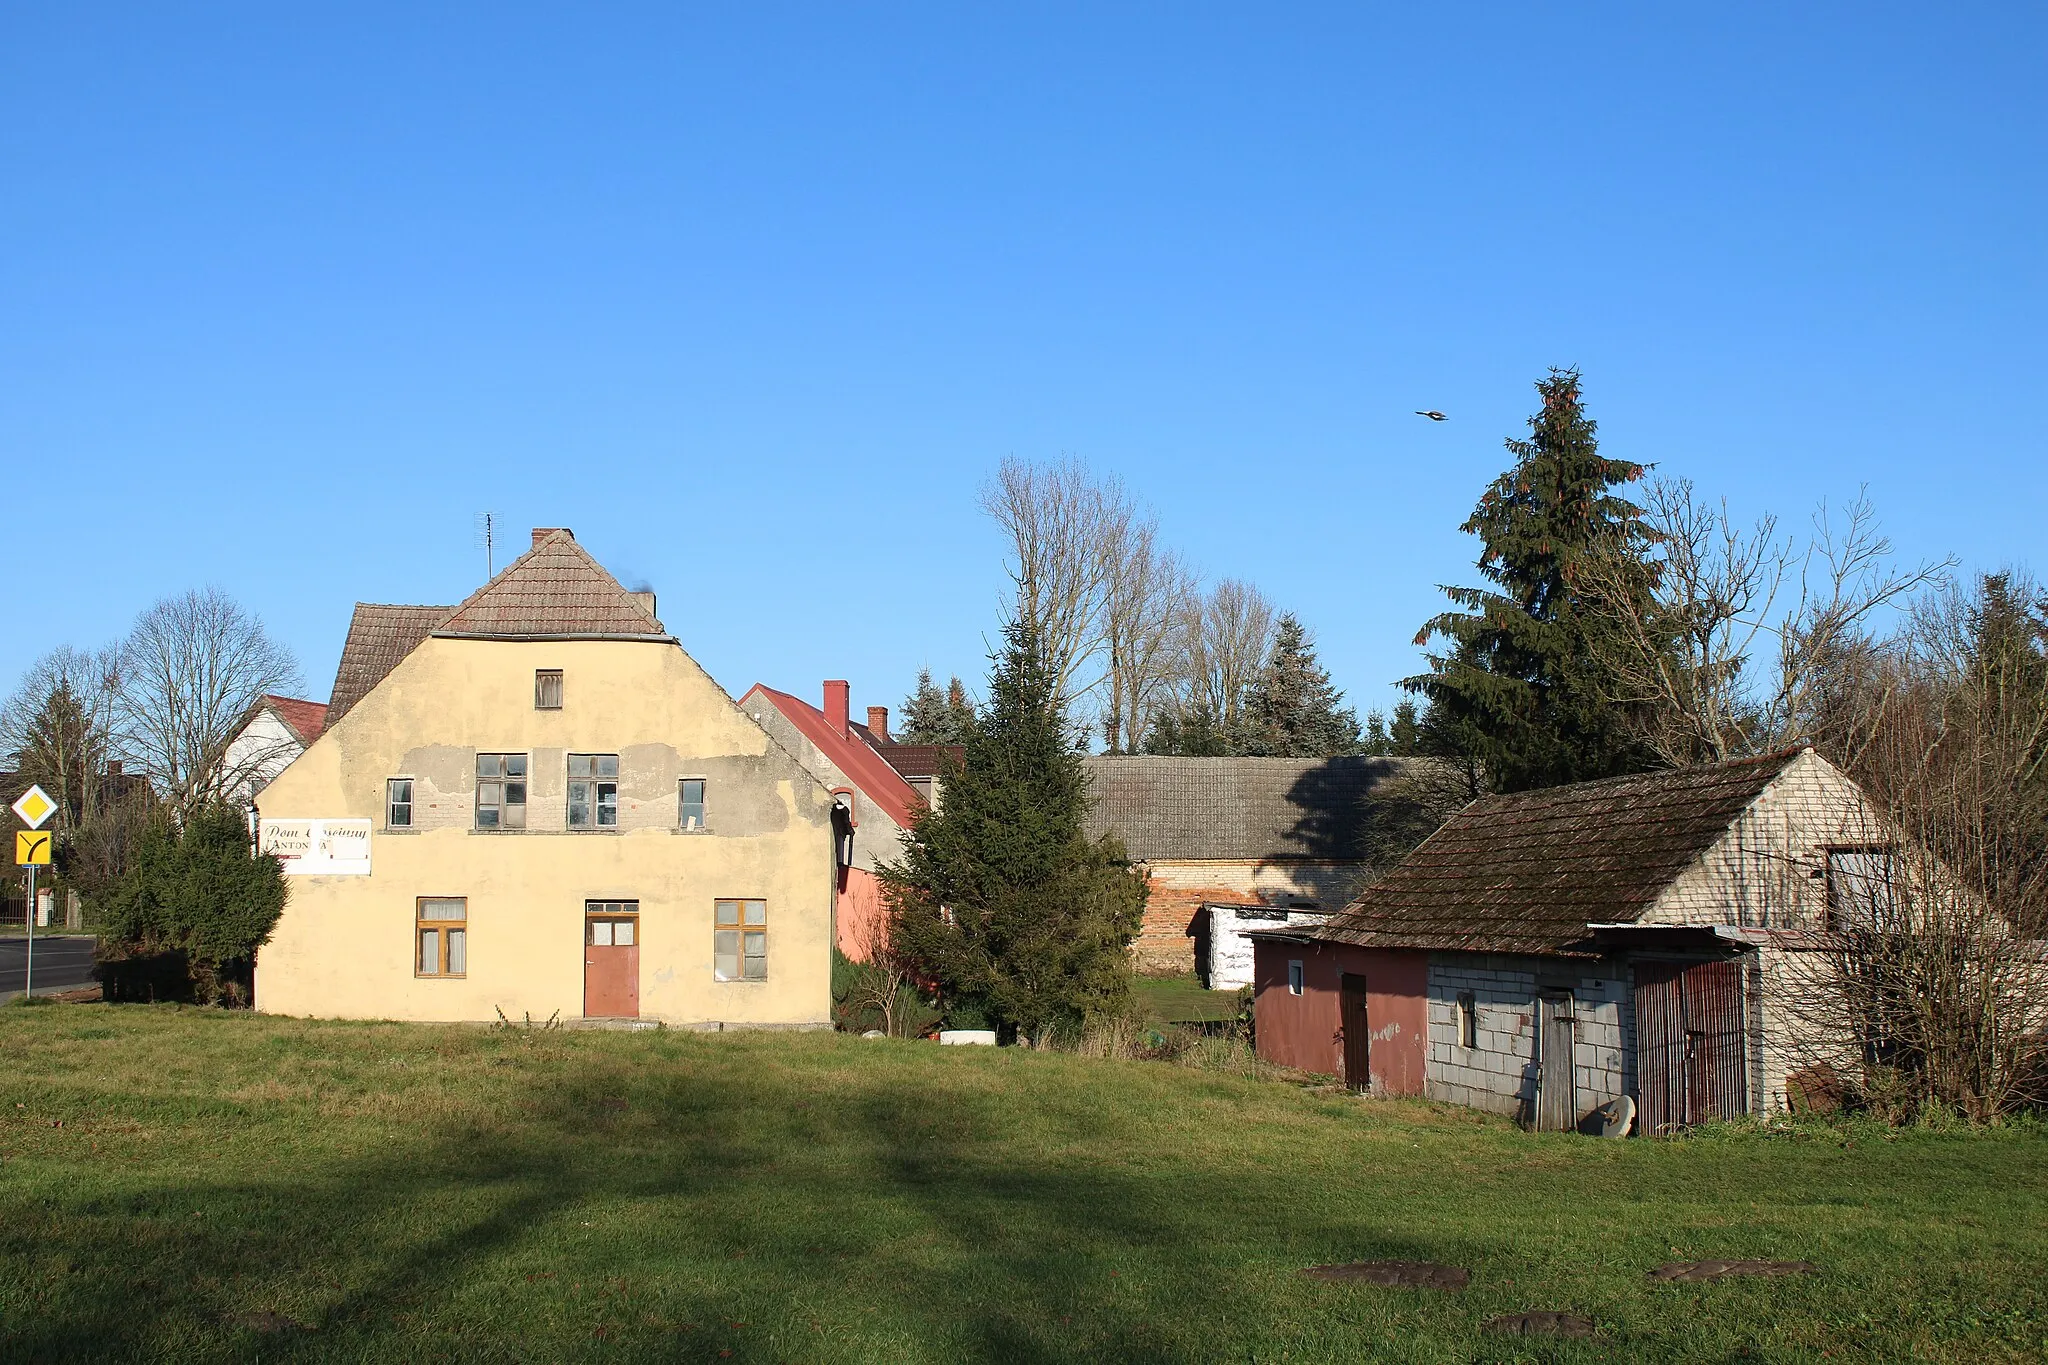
(113, 767)
(541, 533)
(878, 722)
(836, 704)
(646, 601)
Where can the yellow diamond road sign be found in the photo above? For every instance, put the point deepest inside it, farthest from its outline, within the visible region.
(32, 848)
(34, 807)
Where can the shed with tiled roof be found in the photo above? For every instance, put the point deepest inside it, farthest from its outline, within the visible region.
(1626, 942)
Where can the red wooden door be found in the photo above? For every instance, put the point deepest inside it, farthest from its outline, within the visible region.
(1357, 1035)
(611, 966)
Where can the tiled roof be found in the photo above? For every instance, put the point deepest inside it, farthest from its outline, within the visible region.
(917, 760)
(872, 777)
(305, 719)
(1526, 873)
(1235, 808)
(379, 635)
(554, 589)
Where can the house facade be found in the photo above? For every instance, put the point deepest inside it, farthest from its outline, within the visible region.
(1546, 953)
(1264, 833)
(536, 803)
(277, 731)
(874, 804)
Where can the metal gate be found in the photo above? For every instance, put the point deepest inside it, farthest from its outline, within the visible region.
(1691, 1061)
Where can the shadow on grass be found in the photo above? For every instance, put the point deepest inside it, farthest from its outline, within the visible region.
(674, 1210)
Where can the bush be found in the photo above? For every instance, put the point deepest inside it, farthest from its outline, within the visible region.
(862, 1000)
(185, 920)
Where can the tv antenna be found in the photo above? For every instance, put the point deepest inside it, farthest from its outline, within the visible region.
(487, 541)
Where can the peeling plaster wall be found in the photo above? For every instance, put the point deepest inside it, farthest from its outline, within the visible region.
(344, 947)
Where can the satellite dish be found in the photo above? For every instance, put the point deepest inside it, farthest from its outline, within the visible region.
(1616, 1117)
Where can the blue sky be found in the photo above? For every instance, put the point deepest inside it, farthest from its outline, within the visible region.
(754, 297)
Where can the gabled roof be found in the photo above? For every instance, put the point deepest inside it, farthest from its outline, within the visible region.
(1235, 809)
(305, 719)
(872, 777)
(553, 591)
(1527, 872)
(379, 635)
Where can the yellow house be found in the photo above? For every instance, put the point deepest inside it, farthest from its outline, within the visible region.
(537, 803)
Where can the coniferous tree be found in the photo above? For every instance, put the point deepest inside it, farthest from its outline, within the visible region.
(194, 905)
(1291, 709)
(1518, 690)
(1002, 901)
(1195, 734)
(932, 716)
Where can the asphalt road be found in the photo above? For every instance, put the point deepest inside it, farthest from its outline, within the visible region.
(62, 963)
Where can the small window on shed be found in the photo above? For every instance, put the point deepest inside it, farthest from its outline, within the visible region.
(547, 689)
(1468, 1019)
(1294, 975)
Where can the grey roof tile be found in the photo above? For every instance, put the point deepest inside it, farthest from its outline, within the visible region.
(1235, 808)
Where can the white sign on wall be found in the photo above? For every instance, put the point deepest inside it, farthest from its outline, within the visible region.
(319, 848)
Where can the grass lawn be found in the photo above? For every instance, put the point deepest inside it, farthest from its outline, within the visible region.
(1184, 1000)
(420, 1193)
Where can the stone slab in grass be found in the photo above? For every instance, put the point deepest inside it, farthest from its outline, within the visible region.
(1539, 1324)
(1394, 1274)
(1699, 1272)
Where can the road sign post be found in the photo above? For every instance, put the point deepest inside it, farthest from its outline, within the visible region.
(32, 850)
(28, 966)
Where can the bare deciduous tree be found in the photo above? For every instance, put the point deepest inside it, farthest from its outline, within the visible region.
(1148, 591)
(1749, 629)
(191, 670)
(1932, 989)
(1226, 635)
(1065, 526)
(58, 728)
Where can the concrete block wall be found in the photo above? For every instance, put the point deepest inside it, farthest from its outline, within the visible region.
(1499, 1074)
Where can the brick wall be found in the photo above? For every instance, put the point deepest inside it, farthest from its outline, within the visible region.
(1179, 889)
(1499, 1075)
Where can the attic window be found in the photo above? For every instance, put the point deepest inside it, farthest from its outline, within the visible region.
(547, 689)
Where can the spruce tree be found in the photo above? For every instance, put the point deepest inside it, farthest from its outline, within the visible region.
(1291, 710)
(1517, 690)
(932, 716)
(1001, 899)
(1193, 734)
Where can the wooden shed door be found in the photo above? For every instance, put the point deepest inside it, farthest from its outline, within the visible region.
(1691, 1058)
(1557, 1106)
(611, 962)
(1357, 1032)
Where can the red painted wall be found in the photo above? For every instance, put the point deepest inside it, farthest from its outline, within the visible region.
(857, 912)
(1306, 1030)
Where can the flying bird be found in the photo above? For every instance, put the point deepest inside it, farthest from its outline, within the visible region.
(1433, 415)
